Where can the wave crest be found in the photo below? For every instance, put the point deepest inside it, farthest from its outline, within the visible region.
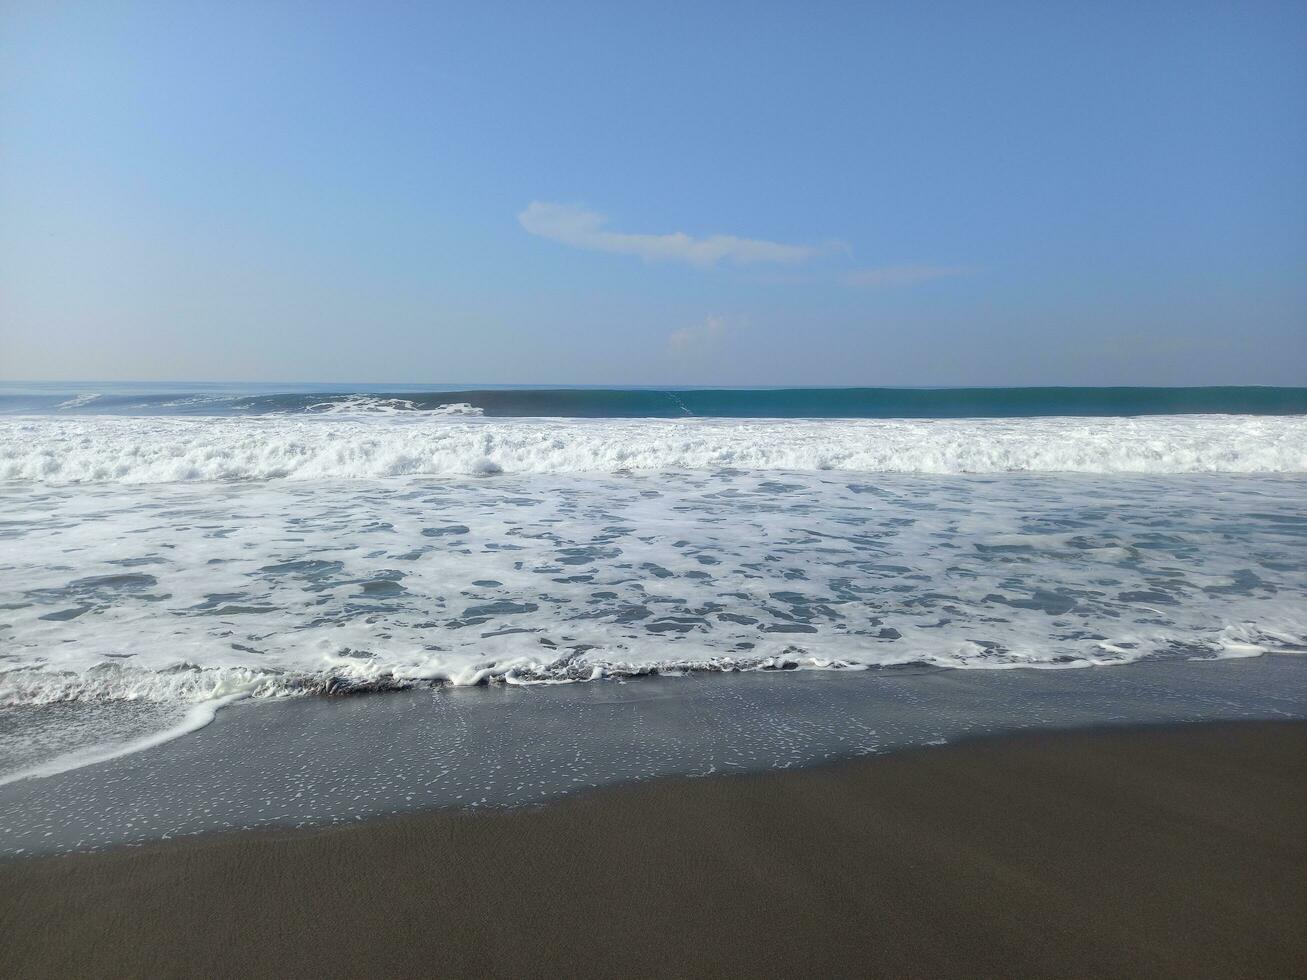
(349, 445)
(374, 405)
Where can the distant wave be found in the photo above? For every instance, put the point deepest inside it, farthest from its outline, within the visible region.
(78, 401)
(873, 403)
(794, 403)
(109, 449)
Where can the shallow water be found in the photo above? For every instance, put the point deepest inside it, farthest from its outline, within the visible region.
(323, 761)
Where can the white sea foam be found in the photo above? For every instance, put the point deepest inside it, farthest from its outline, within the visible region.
(375, 405)
(188, 593)
(193, 560)
(196, 718)
(380, 442)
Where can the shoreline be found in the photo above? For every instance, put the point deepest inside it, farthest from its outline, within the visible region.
(1166, 850)
(325, 761)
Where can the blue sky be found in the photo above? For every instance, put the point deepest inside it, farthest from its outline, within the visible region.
(752, 193)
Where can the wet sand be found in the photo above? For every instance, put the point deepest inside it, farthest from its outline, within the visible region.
(314, 762)
(1162, 852)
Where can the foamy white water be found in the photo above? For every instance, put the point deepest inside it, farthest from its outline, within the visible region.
(385, 441)
(165, 561)
(193, 592)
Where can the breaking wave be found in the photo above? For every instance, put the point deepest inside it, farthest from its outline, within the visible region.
(794, 403)
(373, 405)
(371, 440)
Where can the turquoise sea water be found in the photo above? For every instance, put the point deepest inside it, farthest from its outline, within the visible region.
(558, 402)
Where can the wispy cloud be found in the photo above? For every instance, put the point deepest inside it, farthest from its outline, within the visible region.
(700, 338)
(903, 275)
(585, 229)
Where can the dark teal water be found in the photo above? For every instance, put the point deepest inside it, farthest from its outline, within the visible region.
(92, 398)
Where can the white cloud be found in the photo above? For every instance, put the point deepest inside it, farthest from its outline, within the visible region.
(699, 338)
(902, 275)
(585, 229)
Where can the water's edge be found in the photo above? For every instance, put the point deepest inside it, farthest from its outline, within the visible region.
(324, 761)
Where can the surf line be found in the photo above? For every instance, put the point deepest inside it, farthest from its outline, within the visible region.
(198, 717)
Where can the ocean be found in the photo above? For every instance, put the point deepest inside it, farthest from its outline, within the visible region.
(173, 549)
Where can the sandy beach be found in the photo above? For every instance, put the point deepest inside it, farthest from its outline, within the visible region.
(1154, 851)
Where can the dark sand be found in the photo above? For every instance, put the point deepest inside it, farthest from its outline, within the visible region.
(1162, 852)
